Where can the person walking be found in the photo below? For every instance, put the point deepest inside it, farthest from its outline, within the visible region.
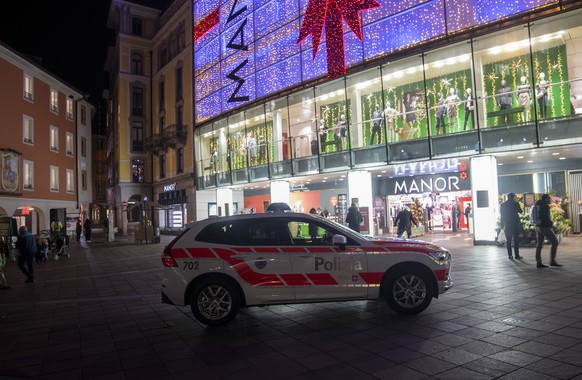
(78, 229)
(88, 226)
(544, 230)
(467, 212)
(403, 221)
(354, 218)
(511, 224)
(27, 247)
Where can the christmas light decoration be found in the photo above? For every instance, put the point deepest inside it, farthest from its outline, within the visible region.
(330, 13)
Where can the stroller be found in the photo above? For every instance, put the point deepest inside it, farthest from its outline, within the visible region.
(61, 247)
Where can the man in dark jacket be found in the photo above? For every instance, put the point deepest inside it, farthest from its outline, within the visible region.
(404, 221)
(511, 224)
(354, 218)
(544, 230)
(27, 247)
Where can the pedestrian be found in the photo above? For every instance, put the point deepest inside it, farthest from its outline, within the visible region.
(458, 214)
(467, 213)
(544, 230)
(27, 247)
(78, 229)
(313, 228)
(511, 224)
(354, 217)
(3, 260)
(56, 227)
(88, 230)
(403, 221)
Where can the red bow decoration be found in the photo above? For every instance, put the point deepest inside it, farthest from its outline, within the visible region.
(329, 13)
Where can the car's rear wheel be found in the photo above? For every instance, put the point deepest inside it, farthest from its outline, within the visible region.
(408, 290)
(215, 301)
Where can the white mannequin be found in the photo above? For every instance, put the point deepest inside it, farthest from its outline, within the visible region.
(451, 102)
(390, 113)
(469, 109)
(322, 135)
(342, 130)
(524, 98)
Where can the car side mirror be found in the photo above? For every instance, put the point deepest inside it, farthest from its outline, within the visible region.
(339, 240)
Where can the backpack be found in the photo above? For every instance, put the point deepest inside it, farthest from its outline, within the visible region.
(534, 214)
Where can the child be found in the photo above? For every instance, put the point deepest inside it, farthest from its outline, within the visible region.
(44, 247)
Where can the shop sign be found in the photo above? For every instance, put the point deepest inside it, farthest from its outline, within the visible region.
(430, 183)
(430, 167)
(170, 187)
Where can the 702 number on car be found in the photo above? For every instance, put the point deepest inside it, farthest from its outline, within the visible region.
(190, 265)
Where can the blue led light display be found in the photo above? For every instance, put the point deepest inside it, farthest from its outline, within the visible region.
(252, 50)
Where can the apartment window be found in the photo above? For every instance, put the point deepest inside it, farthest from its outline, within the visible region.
(54, 178)
(28, 87)
(137, 170)
(70, 104)
(83, 180)
(54, 139)
(70, 181)
(83, 115)
(136, 26)
(27, 130)
(180, 160)
(100, 190)
(70, 143)
(179, 116)
(179, 87)
(137, 136)
(137, 101)
(137, 63)
(83, 147)
(162, 95)
(54, 101)
(162, 166)
(27, 175)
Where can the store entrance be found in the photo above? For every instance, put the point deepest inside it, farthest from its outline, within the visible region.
(435, 212)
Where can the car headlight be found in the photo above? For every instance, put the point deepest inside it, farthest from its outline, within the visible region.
(440, 256)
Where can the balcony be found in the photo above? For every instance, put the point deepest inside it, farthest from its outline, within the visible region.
(174, 135)
(154, 144)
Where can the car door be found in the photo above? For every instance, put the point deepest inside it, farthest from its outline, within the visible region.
(254, 257)
(321, 270)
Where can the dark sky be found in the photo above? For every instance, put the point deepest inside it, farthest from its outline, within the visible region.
(68, 35)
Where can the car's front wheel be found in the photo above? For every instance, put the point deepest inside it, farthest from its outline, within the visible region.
(408, 290)
(215, 301)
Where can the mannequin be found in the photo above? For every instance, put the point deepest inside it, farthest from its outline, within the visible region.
(377, 116)
(322, 134)
(543, 95)
(342, 131)
(469, 110)
(213, 159)
(441, 111)
(505, 101)
(524, 98)
(409, 109)
(251, 146)
(451, 102)
(390, 114)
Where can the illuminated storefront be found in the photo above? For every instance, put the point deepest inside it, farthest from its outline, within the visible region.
(268, 108)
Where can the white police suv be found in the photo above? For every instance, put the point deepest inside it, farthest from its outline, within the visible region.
(220, 264)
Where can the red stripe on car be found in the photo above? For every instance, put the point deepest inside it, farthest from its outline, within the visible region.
(245, 272)
(321, 279)
(201, 253)
(266, 249)
(440, 274)
(179, 253)
(320, 249)
(295, 279)
(372, 278)
(293, 250)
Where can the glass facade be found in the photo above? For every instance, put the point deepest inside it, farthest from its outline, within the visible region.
(520, 88)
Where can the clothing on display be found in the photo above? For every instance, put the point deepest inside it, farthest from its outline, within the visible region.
(505, 101)
(451, 102)
(524, 98)
(543, 95)
(441, 111)
(376, 125)
(469, 110)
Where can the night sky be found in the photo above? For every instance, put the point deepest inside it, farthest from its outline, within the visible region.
(69, 36)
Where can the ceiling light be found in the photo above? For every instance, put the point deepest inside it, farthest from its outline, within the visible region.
(555, 154)
(324, 180)
(500, 164)
(562, 158)
(383, 171)
(519, 157)
(378, 175)
(529, 161)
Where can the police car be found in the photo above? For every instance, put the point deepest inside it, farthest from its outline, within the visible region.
(221, 264)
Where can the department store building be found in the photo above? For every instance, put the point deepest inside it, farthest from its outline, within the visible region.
(386, 103)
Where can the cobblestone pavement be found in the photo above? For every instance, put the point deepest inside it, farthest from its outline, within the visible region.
(98, 315)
